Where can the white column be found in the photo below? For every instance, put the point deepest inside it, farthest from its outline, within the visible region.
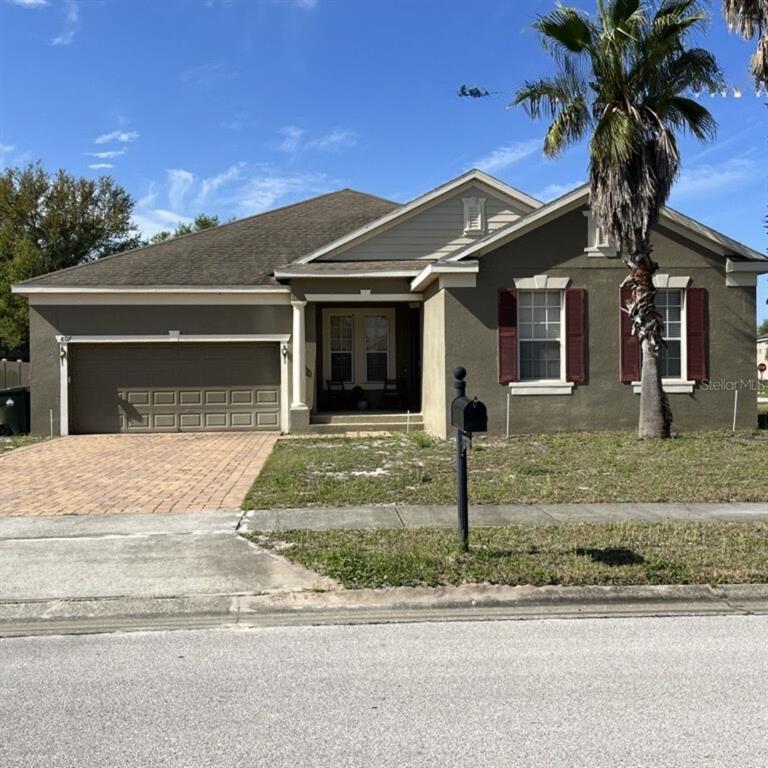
(299, 362)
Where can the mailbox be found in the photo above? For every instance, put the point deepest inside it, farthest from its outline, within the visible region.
(469, 415)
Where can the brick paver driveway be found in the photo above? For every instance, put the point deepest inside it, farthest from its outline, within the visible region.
(100, 474)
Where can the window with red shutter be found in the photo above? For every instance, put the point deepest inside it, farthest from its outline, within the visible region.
(629, 349)
(696, 329)
(507, 335)
(576, 335)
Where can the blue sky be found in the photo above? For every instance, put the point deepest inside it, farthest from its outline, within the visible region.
(234, 106)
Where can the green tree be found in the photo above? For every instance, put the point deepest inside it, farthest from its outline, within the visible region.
(749, 18)
(49, 222)
(762, 329)
(202, 221)
(621, 80)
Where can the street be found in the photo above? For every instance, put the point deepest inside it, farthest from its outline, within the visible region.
(678, 692)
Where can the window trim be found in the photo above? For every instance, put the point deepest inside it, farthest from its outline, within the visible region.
(677, 385)
(561, 386)
(359, 356)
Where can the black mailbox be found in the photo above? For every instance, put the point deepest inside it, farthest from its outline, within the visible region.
(469, 415)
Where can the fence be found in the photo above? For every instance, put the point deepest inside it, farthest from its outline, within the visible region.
(13, 373)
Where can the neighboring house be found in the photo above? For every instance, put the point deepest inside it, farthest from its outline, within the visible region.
(270, 321)
(762, 353)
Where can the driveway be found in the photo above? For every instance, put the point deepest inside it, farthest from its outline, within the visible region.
(112, 474)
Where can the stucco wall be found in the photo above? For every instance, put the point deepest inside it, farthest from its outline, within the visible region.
(46, 322)
(603, 402)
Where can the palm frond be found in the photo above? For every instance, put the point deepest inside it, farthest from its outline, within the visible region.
(565, 28)
(568, 127)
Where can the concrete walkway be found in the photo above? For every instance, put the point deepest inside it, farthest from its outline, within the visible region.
(406, 516)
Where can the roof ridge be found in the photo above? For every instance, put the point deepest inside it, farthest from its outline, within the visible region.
(218, 227)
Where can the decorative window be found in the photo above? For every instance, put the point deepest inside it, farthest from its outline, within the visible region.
(359, 346)
(474, 214)
(598, 243)
(376, 348)
(669, 304)
(342, 348)
(540, 335)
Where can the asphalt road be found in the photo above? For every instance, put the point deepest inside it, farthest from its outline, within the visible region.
(644, 692)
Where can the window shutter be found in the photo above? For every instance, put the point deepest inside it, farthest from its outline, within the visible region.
(575, 334)
(507, 330)
(696, 322)
(629, 350)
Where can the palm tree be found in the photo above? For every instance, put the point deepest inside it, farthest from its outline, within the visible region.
(621, 79)
(749, 18)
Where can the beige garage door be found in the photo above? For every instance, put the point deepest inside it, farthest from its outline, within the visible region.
(174, 387)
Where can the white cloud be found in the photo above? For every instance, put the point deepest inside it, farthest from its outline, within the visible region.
(107, 155)
(151, 221)
(29, 3)
(704, 179)
(304, 5)
(337, 139)
(509, 154)
(211, 184)
(6, 151)
(553, 191)
(293, 140)
(231, 125)
(71, 24)
(179, 182)
(124, 137)
(263, 191)
(101, 165)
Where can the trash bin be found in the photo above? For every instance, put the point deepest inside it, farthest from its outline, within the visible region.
(14, 411)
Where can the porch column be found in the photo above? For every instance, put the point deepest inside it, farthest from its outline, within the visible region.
(298, 398)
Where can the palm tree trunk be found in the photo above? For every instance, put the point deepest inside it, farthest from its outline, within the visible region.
(647, 325)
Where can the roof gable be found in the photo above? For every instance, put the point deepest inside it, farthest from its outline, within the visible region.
(508, 200)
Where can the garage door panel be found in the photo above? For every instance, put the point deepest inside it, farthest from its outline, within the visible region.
(174, 387)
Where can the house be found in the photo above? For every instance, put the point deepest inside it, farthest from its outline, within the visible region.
(271, 321)
(762, 353)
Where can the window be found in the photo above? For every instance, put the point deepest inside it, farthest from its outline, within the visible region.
(669, 304)
(341, 347)
(359, 345)
(540, 335)
(474, 214)
(376, 348)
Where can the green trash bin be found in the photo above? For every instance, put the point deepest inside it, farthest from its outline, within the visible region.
(14, 411)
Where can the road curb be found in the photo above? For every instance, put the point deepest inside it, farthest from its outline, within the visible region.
(401, 604)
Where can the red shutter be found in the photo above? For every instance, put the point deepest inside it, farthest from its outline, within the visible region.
(629, 350)
(575, 335)
(696, 320)
(507, 323)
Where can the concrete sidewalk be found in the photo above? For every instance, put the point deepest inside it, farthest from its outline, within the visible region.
(407, 516)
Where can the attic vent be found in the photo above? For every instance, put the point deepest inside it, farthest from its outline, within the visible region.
(598, 244)
(474, 214)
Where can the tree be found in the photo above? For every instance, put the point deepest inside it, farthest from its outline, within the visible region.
(202, 221)
(49, 222)
(762, 329)
(621, 79)
(749, 18)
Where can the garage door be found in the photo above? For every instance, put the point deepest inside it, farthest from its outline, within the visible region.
(174, 387)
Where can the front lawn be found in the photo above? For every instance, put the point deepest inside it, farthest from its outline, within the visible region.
(17, 441)
(573, 467)
(610, 554)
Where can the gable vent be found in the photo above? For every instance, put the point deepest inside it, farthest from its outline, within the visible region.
(474, 214)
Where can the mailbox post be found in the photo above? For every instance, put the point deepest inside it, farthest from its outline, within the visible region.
(467, 416)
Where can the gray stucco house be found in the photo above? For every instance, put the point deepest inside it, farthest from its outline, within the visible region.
(274, 321)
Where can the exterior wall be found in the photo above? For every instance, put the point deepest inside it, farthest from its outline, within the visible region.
(603, 402)
(433, 232)
(434, 398)
(46, 322)
(762, 351)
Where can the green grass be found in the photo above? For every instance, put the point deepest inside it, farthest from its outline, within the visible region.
(17, 441)
(613, 554)
(572, 467)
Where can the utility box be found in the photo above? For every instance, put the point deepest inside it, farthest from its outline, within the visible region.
(14, 411)
(469, 415)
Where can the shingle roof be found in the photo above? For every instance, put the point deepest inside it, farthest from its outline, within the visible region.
(240, 253)
(332, 268)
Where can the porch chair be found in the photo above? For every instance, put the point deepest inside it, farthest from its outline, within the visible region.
(337, 394)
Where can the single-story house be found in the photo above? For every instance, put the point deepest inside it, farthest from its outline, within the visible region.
(288, 319)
